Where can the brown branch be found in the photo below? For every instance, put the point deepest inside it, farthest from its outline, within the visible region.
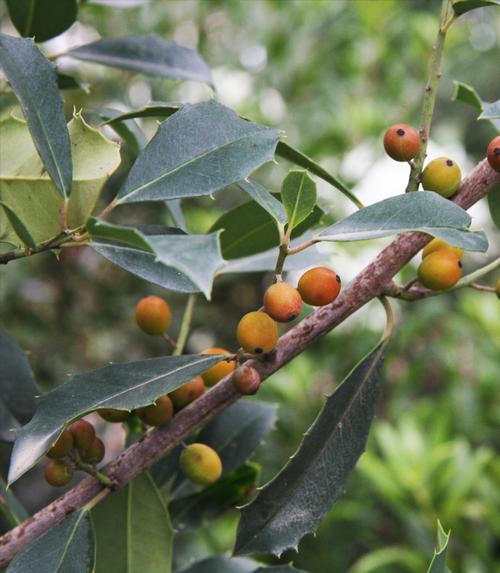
(368, 284)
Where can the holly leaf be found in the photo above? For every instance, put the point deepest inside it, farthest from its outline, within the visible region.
(438, 563)
(461, 7)
(298, 193)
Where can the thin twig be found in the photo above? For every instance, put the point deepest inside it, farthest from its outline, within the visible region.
(185, 325)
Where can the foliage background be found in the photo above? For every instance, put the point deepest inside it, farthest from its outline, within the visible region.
(333, 74)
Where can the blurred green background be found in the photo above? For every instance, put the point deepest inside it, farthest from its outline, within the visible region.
(333, 74)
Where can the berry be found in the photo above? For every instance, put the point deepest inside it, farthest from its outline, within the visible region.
(493, 153)
(439, 245)
(401, 142)
(282, 302)
(497, 288)
(440, 270)
(187, 393)
(58, 473)
(95, 453)
(246, 380)
(158, 413)
(153, 315)
(217, 371)
(62, 447)
(114, 416)
(257, 332)
(201, 464)
(83, 434)
(319, 286)
(441, 175)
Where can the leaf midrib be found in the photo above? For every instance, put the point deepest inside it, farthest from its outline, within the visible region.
(69, 541)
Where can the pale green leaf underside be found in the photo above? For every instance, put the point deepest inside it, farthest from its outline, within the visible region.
(467, 94)
(123, 386)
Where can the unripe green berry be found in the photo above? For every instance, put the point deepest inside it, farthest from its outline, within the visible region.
(201, 464)
(257, 332)
(153, 315)
(83, 434)
(62, 447)
(440, 270)
(246, 380)
(442, 175)
(187, 393)
(114, 416)
(401, 142)
(57, 473)
(493, 153)
(158, 413)
(95, 453)
(282, 302)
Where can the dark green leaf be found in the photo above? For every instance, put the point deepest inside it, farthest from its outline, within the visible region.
(438, 563)
(10, 507)
(494, 205)
(175, 208)
(128, 130)
(17, 388)
(292, 504)
(200, 149)
(123, 386)
(149, 55)
(133, 530)
(279, 569)
(18, 225)
(462, 6)
(467, 94)
(221, 565)
(298, 193)
(193, 511)
(66, 548)
(423, 211)
(153, 109)
(295, 156)
(33, 79)
(42, 19)
(65, 82)
(100, 229)
(265, 199)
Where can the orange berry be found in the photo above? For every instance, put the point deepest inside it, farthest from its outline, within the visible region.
(153, 315)
(319, 286)
(94, 453)
(217, 371)
(201, 464)
(257, 332)
(83, 434)
(187, 393)
(282, 302)
(158, 413)
(439, 245)
(62, 447)
(401, 142)
(58, 473)
(442, 175)
(440, 270)
(246, 380)
(114, 416)
(493, 153)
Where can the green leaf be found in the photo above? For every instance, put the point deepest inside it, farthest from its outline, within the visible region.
(18, 226)
(100, 229)
(467, 94)
(491, 111)
(133, 530)
(423, 211)
(149, 55)
(65, 548)
(292, 504)
(175, 208)
(153, 109)
(128, 130)
(122, 386)
(30, 194)
(33, 79)
(10, 507)
(17, 388)
(221, 565)
(200, 149)
(494, 206)
(279, 569)
(463, 6)
(438, 563)
(295, 156)
(298, 193)
(265, 199)
(65, 82)
(42, 19)
(194, 511)
(396, 558)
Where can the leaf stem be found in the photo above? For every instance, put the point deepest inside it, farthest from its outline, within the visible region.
(429, 99)
(302, 247)
(389, 325)
(170, 341)
(185, 325)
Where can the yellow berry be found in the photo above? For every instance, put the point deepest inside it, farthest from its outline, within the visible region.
(201, 464)
(158, 413)
(62, 447)
(282, 302)
(442, 175)
(401, 142)
(153, 315)
(440, 270)
(319, 286)
(58, 473)
(217, 371)
(493, 153)
(187, 393)
(246, 380)
(114, 416)
(257, 332)
(439, 245)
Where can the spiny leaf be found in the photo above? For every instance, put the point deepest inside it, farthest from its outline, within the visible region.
(438, 563)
